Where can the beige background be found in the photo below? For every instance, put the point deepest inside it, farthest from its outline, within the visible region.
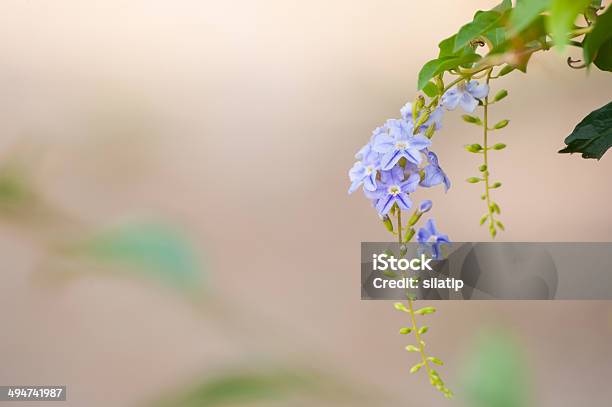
(239, 120)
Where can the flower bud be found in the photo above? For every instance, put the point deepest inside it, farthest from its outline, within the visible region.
(400, 307)
(405, 331)
(422, 119)
(417, 106)
(430, 130)
(500, 225)
(409, 234)
(473, 180)
(484, 219)
(500, 95)
(501, 124)
(506, 70)
(482, 168)
(499, 146)
(388, 224)
(496, 185)
(412, 348)
(473, 148)
(425, 206)
(439, 83)
(471, 119)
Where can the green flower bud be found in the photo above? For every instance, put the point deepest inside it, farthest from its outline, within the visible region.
(500, 225)
(496, 185)
(493, 232)
(439, 83)
(484, 219)
(416, 368)
(400, 307)
(482, 168)
(471, 119)
(435, 360)
(414, 218)
(409, 234)
(422, 119)
(473, 180)
(412, 348)
(388, 224)
(506, 70)
(405, 331)
(501, 124)
(499, 146)
(423, 330)
(430, 130)
(473, 148)
(417, 106)
(500, 95)
(495, 208)
(425, 311)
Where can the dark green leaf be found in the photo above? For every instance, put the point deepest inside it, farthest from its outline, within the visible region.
(596, 39)
(483, 22)
(604, 57)
(593, 135)
(525, 12)
(563, 14)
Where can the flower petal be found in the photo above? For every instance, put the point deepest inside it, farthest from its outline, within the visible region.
(468, 102)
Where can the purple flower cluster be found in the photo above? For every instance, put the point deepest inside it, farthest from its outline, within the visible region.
(397, 159)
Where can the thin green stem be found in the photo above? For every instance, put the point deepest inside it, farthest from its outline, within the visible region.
(486, 155)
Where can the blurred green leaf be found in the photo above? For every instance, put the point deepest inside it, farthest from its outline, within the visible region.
(430, 89)
(496, 374)
(263, 387)
(154, 248)
(563, 14)
(525, 12)
(597, 44)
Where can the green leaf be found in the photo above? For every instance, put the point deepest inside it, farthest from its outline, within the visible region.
(593, 135)
(496, 373)
(604, 57)
(505, 5)
(597, 45)
(525, 12)
(156, 249)
(439, 65)
(246, 388)
(602, 33)
(483, 22)
(430, 89)
(563, 14)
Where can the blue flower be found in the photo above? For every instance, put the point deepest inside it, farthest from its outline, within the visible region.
(365, 171)
(393, 190)
(434, 174)
(425, 206)
(399, 143)
(465, 95)
(429, 236)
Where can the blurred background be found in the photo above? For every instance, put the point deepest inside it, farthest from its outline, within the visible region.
(175, 228)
